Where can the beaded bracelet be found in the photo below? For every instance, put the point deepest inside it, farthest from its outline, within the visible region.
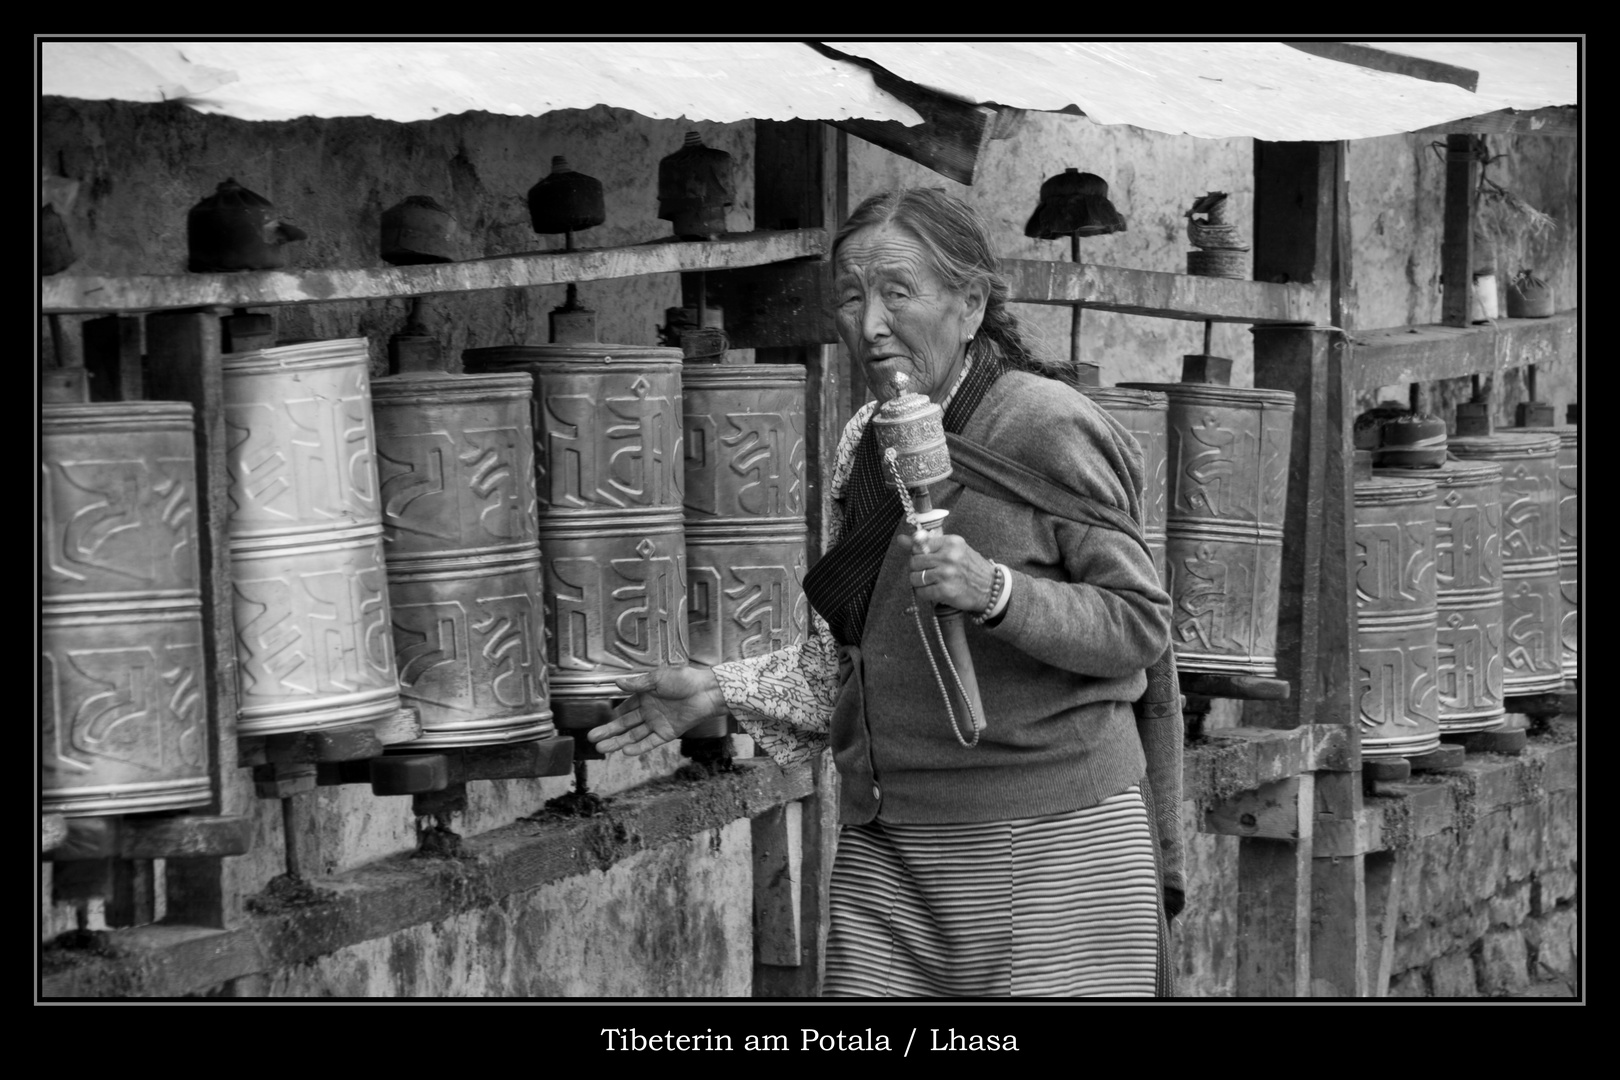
(996, 585)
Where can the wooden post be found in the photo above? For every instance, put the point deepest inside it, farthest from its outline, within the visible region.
(1383, 883)
(801, 181)
(1457, 244)
(112, 353)
(1274, 907)
(184, 347)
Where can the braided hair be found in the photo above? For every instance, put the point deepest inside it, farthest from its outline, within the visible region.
(957, 245)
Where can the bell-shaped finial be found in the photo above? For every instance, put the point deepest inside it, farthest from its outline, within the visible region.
(695, 185)
(237, 229)
(1074, 203)
(418, 230)
(565, 201)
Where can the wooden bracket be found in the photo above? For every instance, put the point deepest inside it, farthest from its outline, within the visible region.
(182, 836)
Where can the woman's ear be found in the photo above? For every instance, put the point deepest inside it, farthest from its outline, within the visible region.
(975, 299)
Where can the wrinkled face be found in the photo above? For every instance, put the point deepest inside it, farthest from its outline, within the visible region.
(897, 317)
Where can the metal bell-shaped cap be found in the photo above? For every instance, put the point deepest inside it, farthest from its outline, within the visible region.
(695, 186)
(565, 201)
(237, 229)
(1074, 203)
(418, 230)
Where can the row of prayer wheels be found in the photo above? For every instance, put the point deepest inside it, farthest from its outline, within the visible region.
(1464, 597)
(495, 549)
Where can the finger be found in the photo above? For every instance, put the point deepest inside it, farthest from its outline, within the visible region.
(639, 683)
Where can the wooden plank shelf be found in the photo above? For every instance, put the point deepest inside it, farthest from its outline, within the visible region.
(1166, 296)
(381, 898)
(1409, 354)
(71, 294)
(1230, 761)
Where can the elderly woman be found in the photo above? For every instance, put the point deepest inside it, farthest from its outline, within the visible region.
(1021, 861)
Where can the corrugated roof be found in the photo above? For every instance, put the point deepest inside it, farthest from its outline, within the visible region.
(720, 81)
(1225, 89)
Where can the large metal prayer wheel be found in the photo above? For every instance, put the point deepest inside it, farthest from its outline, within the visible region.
(1468, 586)
(1569, 545)
(745, 509)
(608, 460)
(1396, 631)
(1146, 415)
(456, 455)
(123, 724)
(1227, 470)
(1532, 601)
(314, 648)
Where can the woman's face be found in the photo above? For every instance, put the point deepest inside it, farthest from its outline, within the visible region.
(897, 317)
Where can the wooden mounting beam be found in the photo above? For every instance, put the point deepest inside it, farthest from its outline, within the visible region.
(267, 288)
(1159, 294)
(1394, 63)
(1408, 354)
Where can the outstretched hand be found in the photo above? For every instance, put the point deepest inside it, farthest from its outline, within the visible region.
(665, 703)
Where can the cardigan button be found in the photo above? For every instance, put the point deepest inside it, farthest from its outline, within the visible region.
(877, 793)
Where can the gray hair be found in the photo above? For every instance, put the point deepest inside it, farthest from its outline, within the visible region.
(957, 245)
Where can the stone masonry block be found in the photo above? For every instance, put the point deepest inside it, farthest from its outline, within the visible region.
(1552, 942)
(1453, 976)
(1525, 827)
(1550, 887)
(1560, 768)
(1484, 857)
(1415, 947)
(1504, 963)
(1464, 929)
(1512, 906)
(1559, 840)
(1408, 984)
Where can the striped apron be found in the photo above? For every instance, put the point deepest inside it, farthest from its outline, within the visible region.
(1059, 906)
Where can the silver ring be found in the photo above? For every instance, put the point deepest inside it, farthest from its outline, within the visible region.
(925, 576)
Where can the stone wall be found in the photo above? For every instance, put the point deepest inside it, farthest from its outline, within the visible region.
(1489, 907)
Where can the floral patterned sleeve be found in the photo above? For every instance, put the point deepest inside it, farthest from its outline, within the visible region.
(784, 699)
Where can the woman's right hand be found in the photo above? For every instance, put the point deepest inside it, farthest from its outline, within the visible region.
(666, 703)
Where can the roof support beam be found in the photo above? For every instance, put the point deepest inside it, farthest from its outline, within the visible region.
(1393, 62)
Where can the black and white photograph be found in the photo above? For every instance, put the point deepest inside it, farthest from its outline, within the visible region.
(748, 521)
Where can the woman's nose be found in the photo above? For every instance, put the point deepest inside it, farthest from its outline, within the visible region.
(874, 321)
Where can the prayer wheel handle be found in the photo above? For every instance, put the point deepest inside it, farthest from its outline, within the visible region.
(910, 431)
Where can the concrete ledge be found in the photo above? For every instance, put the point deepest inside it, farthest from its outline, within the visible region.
(376, 900)
(1230, 761)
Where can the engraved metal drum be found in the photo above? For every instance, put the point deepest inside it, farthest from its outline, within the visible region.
(744, 591)
(456, 456)
(1146, 416)
(615, 596)
(300, 444)
(607, 425)
(1532, 601)
(1227, 469)
(456, 461)
(313, 645)
(744, 443)
(1396, 633)
(469, 636)
(123, 721)
(117, 509)
(1468, 585)
(1569, 547)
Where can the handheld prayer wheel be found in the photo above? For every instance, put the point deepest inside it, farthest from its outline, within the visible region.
(1146, 415)
(1396, 628)
(456, 464)
(744, 509)
(608, 462)
(123, 724)
(1468, 587)
(1227, 468)
(1532, 601)
(314, 649)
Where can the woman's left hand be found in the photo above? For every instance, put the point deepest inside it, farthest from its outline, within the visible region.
(945, 570)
